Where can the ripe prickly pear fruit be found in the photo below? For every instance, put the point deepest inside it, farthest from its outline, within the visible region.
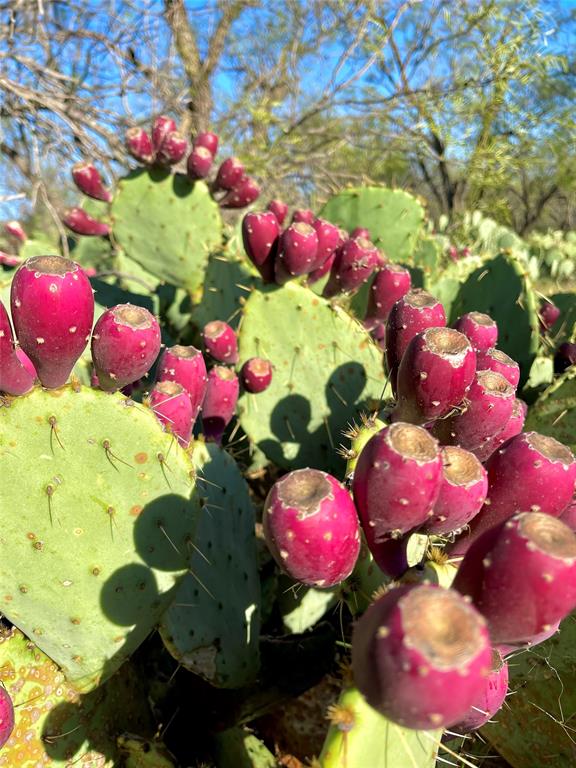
(256, 375)
(139, 144)
(530, 471)
(172, 149)
(297, 252)
(199, 163)
(80, 222)
(15, 230)
(328, 239)
(479, 328)
(463, 491)
(230, 172)
(489, 404)
(360, 232)
(260, 235)
(9, 260)
(355, 261)
(208, 141)
(548, 315)
(565, 357)
(173, 407)
(6, 716)
(521, 576)
(89, 181)
(15, 378)
(540, 637)
(185, 366)
(219, 402)
(411, 314)
(26, 362)
(311, 527)
(161, 127)
(395, 556)
(221, 342)
(53, 311)
(318, 274)
(303, 216)
(391, 283)
(569, 515)
(244, 193)
(415, 644)
(513, 427)
(396, 481)
(279, 209)
(498, 361)
(434, 376)
(125, 344)
(490, 699)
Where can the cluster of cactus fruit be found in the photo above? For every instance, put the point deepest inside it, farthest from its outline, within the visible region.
(457, 524)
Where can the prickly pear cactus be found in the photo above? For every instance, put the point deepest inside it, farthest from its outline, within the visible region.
(554, 413)
(393, 217)
(100, 515)
(213, 625)
(301, 607)
(326, 370)
(359, 735)
(57, 726)
(167, 224)
(237, 748)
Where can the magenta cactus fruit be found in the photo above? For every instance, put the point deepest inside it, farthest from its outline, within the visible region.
(548, 315)
(6, 716)
(15, 230)
(89, 182)
(15, 378)
(172, 149)
(139, 144)
(396, 481)
(172, 405)
(161, 127)
(355, 261)
(530, 471)
(303, 216)
(80, 222)
(391, 283)
(260, 235)
(279, 209)
(568, 516)
(298, 249)
(392, 556)
(539, 637)
(415, 644)
(565, 357)
(199, 163)
(479, 328)
(411, 314)
(207, 140)
(53, 311)
(26, 362)
(463, 490)
(256, 375)
(318, 274)
(434, 376)
(230, 172)
(521, 576)
(490, 698)
(513, 427)
(311, 527)
(498, 361)
(489, 404)
(244, 193)
(219, 402)
(221, 342)
(185, 366)
(10, 260)
(125, 344)
(360, 232)
(328, 240)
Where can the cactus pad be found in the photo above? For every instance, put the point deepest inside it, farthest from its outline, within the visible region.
(100, 515)
(326, 370)
(554, 413)
(213, 625)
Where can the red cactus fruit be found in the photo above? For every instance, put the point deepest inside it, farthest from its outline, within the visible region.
(565, 357)
(279, 209)
(490, 698)
(355, 261)
(318, 274)
(161, 127)
(125, 344)
(303, 216)
(185, 366)
(260, 235)
(244, 193)
(208, 141)
(569, 515)
(172, 149)
(498, 361)
(89, 182)
(172, 405)
(412, 646)
(548, 315)
(311, 527)
(220, 402)
(230, 172)
(199, 163)
(53, 311)
(391, 283)
(434, 376)
(6, 716)
(328, 240)
(479, 328)
(256, 375)
(360, 232)
(15, 378)
(513, 427)
(139, 144)
(15, 230)
(10, 260)
(221, 342)
(298, 249)
(80, 222)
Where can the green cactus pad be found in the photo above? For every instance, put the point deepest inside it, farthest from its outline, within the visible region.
(237, 748)
(393, 217)
(554, 413)
(140, 753)
(99, 526)
(502, 289)
(534, 727)
(167, 224)
(326, 371)
(361, 736)
(57, 726)
(33, 247)
(446, 284)
(301, 607)
(213, 625)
